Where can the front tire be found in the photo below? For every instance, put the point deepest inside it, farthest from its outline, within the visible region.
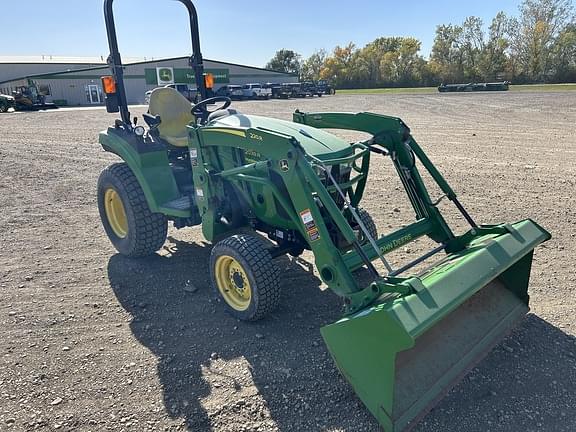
(245, 277)
(130, 225)
(370, 225)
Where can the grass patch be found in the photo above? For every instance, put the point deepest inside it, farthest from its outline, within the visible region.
(424, 90)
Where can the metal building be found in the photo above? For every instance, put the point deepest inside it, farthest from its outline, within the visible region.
(13, 67)
(82, 86)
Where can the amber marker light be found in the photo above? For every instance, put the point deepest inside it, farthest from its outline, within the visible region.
(109, 84)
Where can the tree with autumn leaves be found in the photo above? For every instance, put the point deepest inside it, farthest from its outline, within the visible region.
(539, 45)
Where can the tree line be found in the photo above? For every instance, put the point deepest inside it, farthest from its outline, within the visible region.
(537, 46)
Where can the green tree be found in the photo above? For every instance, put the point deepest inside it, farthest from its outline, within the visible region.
(389, 61)
(340, 66)
(447, 60)
(285, 60)
(312, 66)
(375, 60)
(409, 62)
(534, 36)
(564, 55)
(494, 60)
(472, 46)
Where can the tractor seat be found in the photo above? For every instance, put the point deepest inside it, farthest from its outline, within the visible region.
(175, 114)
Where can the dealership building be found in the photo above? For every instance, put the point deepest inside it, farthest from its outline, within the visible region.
(74, 82)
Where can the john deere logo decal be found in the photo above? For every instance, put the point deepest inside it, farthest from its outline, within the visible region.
(165, 75)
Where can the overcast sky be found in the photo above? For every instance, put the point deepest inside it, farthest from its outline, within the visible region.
(247, 32)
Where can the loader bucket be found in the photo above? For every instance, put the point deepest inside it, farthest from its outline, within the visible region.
(402, 355)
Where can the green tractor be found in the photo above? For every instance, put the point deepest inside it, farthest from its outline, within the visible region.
(406, 335)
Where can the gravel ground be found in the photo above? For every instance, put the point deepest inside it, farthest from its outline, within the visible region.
(93, 341)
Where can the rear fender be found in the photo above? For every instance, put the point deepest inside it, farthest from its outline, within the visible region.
(149, 163)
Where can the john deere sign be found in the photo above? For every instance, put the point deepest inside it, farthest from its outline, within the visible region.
(168, 75)
(164, 75)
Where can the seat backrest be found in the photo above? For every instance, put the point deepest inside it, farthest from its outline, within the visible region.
(174, 111)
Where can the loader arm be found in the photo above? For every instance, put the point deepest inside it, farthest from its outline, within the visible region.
(401, 353)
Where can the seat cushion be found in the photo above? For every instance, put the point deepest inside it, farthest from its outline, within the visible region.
(175, 114)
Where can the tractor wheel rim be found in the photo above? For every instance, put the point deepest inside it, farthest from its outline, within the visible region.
(115, 212)
(233, 283)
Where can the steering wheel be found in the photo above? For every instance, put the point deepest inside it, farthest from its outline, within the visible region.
(201, 110)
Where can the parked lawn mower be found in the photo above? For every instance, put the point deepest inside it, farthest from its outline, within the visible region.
(405, 336)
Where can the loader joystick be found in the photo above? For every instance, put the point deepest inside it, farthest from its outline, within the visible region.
(201, 111)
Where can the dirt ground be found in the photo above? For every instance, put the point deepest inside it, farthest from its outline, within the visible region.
(92, 341)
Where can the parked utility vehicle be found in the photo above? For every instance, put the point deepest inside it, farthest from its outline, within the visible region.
(256, 91)
(234, 92)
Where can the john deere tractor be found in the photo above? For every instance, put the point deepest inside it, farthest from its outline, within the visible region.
(405, 336)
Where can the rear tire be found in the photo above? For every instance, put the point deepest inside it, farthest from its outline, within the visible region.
(245, 277)
(130, 225)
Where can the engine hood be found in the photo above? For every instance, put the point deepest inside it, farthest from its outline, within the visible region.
(316, 142)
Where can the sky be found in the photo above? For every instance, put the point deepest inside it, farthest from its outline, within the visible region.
(247, 32)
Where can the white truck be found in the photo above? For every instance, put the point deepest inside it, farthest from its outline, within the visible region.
(256, 91)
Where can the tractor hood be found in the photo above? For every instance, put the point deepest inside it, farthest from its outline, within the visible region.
(315, 141)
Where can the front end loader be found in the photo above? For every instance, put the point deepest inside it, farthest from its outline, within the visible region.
(408, 333)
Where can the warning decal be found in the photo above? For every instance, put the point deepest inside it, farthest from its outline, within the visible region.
(194, 157)
(310, 225)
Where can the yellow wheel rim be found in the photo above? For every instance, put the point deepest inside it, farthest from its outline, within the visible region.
(233, 283)
(115, 212)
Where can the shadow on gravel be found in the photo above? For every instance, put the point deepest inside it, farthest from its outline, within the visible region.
(287, 359)
(525, 384)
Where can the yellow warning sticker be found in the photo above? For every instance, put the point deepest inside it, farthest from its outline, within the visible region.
(310, 225)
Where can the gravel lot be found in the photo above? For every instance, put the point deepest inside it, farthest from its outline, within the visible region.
(93, 341)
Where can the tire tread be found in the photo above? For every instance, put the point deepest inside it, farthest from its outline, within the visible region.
(150, 229)
(265, 272)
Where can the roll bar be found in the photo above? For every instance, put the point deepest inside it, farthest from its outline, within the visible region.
(115, 60)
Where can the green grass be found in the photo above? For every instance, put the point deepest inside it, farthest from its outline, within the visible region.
(423, 90)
